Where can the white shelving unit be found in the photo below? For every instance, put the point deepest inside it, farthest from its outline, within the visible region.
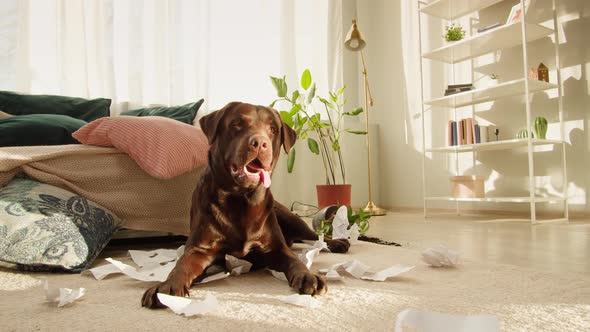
(503, 37)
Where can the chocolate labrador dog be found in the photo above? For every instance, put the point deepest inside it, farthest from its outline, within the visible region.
(233, 210)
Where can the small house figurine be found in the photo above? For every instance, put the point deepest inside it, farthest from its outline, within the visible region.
(543, 73)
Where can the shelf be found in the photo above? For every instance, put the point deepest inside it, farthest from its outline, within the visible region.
(502, 37)
(502, 90)
(444, 8)
(497, 199)
(499, 145)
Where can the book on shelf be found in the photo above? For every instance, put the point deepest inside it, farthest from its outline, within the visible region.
(466, 131)
(457, 88)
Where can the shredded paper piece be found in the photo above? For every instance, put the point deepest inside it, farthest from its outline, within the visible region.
(237, 266)
(308, 256)
(156, 272)
(319, 244)
(361, 271)
(217, 276)
(189, 307)
(63, 296)
(389, 272)
(278, 275)
(428, 321)
(146, 258)
(340, 224)
(440, 256)
(302, 300)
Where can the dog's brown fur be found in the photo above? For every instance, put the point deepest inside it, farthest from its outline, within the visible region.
(235, 214)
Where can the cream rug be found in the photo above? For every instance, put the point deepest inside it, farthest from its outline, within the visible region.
(523, 300)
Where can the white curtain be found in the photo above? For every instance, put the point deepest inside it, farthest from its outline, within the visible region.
(168, 52)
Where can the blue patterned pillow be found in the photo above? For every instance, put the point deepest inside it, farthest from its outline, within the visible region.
(45, 228)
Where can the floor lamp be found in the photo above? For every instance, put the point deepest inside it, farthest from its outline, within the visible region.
(355, 42)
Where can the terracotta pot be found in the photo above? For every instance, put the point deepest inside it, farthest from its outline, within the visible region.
(333, 194)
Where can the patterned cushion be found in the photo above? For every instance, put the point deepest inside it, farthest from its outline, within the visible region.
(45, 228)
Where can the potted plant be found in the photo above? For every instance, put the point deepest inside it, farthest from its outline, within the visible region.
(455, 32)
(321, 136)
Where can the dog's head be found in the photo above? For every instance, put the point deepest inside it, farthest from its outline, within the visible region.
(245, 142)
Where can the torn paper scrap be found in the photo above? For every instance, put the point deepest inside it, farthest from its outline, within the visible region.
(102, 271)
(355, 268)
(153, 273)
(302, 300)
(179, 251)
(319, 244)
(278, 275)
(340, 224)
(440, 256)
(333, 275)
(389, 272)
(217, 276)
(237, 266)
(145, 258)
(189, 307)
(63, 295)
(308, 256)
(428, 321)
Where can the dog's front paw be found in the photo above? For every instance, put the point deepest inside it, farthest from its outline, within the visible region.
(306, 282)
(150, 297)
(338, 245)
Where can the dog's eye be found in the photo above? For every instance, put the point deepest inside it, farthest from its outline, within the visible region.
(237, 125)
(273, 130)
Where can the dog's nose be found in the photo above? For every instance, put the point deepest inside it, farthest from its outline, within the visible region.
(259, 143)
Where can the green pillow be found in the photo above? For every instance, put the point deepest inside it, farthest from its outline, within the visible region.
(38, 129)
(185, 113)
(79, 108)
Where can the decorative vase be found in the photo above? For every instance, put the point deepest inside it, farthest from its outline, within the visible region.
(523, 133)
(541, 127)
(323, 214)
(333, 194)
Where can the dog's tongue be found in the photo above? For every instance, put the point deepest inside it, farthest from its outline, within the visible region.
(265, 178)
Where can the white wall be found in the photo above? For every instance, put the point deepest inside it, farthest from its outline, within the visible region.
(388, 25)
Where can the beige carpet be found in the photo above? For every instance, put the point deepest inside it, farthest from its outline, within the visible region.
(522, 299)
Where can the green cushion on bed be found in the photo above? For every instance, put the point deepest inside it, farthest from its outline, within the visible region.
(185, 113)
(38, 129)
(79, 108)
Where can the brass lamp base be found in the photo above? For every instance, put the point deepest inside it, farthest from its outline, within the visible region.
(374, 210)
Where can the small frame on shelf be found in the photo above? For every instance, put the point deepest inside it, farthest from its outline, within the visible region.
(516, 11)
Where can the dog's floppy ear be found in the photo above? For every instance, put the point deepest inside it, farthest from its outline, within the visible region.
(210, 122)
(288, 136)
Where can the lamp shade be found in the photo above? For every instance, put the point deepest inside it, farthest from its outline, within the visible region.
(354, 39)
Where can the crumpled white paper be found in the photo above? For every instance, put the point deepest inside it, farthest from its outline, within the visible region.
(308, 256)
(319, 244)
(146, 258)
(278, 275)
(213, 277)
(333, 275)
(389, 272)
(189, 307)
(440, 256)
(302, 300)
(237, 266)
(429, 321)
(340, 224)
(157, 272)
(361, 271)
(63, 295)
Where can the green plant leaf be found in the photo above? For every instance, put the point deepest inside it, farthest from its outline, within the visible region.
(294, 96)
(327, 103)
(306, 79)
(291, 160)
(272, 105)
(313, 145)
(286, 117)
(356, 132)
(280, 85)
(341, 90)
(304, 135)
(334, 97)
(294, 110)
(354, 112)
(311, 94)
(336, 146)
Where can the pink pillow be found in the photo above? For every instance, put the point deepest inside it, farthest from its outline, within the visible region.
(162, 147)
